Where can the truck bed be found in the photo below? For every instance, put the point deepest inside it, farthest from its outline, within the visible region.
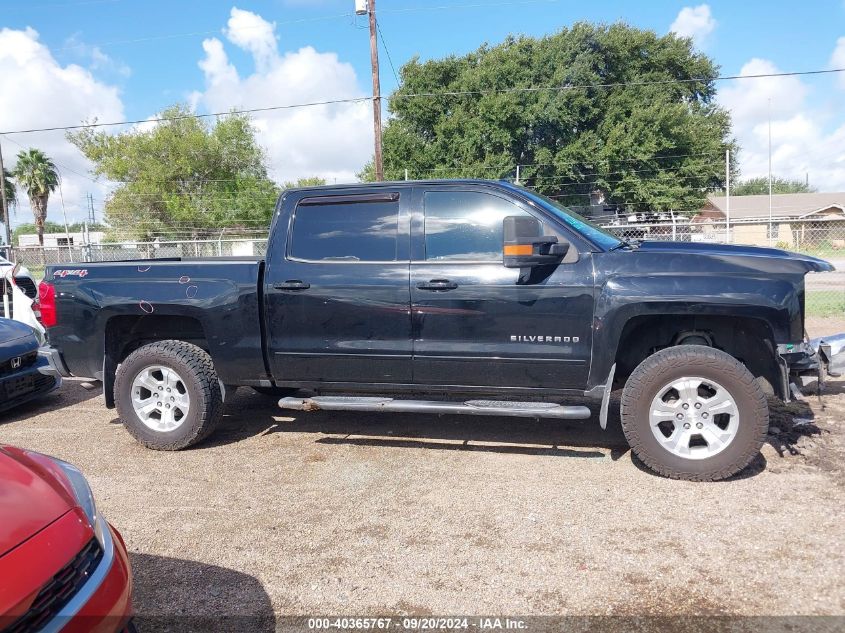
(215, 300)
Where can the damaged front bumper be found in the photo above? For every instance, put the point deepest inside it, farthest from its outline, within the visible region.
(812, 360)
(831, 352)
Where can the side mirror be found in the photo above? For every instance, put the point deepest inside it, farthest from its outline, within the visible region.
(525, 246)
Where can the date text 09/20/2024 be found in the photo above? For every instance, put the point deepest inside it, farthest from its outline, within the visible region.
(417, 623)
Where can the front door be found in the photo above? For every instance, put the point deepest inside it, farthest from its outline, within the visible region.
(337, 296)
(476, 322)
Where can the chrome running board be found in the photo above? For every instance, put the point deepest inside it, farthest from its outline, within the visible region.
(470, 407)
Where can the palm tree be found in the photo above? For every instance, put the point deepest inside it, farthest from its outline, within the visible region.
(11, 192)
(11, 200)
(38, 176)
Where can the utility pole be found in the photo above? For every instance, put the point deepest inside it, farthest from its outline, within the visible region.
(771, 235)
(379, 161)
(91, 217)
(728, 196)
(4, 201)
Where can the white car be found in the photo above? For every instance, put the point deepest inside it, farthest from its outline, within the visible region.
(20, 287)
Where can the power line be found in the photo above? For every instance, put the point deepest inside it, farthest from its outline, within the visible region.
(63, 166)
(476, 5)
(448, 93)
(182, 117)
(59, 5)
(470, 167)
(510, 168)
(620, 84)
(201, 196)
(154, 197)
(172, 36)
(389, 58)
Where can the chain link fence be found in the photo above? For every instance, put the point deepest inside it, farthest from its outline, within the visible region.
(819, 238)
(37, 258)
(824, 238)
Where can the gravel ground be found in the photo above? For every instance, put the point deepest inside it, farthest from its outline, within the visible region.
(326, 513)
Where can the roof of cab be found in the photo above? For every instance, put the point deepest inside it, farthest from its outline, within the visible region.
(395, 183)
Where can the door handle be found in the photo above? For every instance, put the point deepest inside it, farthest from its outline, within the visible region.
(437, 284)
(292, 284)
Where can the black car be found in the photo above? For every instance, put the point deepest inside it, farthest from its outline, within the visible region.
(24, 373)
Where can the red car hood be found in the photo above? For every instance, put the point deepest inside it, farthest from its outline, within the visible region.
(31, 497)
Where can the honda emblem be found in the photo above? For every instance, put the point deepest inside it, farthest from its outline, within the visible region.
(16, 362)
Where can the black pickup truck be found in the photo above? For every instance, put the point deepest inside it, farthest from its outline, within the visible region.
(467, 297)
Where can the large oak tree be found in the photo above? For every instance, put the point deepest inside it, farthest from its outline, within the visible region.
(608, 108)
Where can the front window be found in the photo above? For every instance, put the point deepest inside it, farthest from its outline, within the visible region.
(592, 232)
(465, 225)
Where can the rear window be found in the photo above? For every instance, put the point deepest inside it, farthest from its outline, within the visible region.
(346, 231)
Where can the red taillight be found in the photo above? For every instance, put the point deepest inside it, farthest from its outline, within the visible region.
(47, 304)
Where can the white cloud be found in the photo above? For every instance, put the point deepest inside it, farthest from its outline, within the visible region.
(253, 33)
(695, 22)
(837, 59)
(96, 59)
(808, 135)
(40, 92)
(750, 99)
(333, 141)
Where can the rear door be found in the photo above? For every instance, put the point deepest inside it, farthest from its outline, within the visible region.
(478, 323)
(337, 290)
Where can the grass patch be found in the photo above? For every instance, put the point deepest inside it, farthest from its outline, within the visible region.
(822, 252)
(825, 303)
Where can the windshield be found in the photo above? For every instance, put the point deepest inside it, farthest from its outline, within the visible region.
(592, 232)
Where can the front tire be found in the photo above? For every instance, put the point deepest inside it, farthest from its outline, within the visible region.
(694, 412)
(168, 395)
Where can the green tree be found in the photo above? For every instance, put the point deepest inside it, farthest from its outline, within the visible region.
(184, 177)
(760, 186)
(310, 181)
(38, 176)
(655, 146)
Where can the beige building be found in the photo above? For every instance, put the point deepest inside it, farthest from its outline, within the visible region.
(57, 240)
(796, 219)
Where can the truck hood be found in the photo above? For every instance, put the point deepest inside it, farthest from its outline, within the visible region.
(770, 260)
(30, 498)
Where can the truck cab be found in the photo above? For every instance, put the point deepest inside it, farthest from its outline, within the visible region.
(469, 296)
(405, 285)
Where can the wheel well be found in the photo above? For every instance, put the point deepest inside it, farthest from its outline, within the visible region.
(125, 334)
(748, 340)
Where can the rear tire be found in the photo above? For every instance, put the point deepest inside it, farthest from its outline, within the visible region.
(694, 412)
(168, 395)
(275, 392)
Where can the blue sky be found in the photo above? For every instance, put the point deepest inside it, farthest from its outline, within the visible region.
(135, 57)
(794, 36)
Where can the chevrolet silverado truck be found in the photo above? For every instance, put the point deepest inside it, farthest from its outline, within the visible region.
(461, 297)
